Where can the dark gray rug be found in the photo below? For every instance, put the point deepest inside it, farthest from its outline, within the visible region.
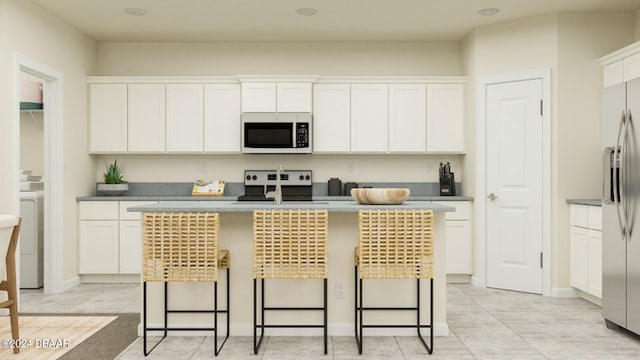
(106, 343)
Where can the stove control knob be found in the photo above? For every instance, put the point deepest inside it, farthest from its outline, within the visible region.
(254, 177)
(248, 177)
(301, 177)
(307, 177)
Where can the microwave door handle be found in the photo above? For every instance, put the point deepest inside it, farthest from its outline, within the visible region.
(617, 168)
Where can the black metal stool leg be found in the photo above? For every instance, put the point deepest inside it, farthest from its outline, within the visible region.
(215, 320)
(418, 327)
(325, 316)
(144, 319)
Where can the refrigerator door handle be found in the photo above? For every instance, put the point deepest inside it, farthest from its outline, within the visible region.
(625, 202)
(608, 167)
(617, 174)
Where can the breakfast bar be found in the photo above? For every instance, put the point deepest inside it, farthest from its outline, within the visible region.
(236, 235)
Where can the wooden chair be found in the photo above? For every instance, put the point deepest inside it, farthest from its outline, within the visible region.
(10, 285)
(183, 247)
(289, 244)
(394, 244)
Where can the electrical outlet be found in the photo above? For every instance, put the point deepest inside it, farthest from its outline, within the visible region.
(339, 290)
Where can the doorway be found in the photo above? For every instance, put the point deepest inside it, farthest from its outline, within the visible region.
(52, 165)
(513, 237)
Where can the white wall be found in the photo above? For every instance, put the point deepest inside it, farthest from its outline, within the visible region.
(359, 168)
(29, 31)
(279, 58)
(569, 44)
(636, 32)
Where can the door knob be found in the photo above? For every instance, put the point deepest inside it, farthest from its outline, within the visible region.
(492, 196)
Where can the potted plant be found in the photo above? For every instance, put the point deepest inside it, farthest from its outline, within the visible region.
(113, 183)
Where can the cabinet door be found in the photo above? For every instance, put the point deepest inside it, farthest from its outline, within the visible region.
(130, 249)
(98, 247)
(407, 118)
(331, 118)
(293, 97)
(579, 257)
(185, 117)
(369, 118)
(445, 118)
(595, 263)
(458, 247)
(107, 118)
(146, 118)
(98, 210)
(258, 97)
(222, 118)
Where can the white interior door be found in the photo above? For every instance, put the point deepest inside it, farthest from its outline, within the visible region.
(514, 185)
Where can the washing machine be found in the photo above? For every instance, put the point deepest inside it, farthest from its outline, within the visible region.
(31, 239)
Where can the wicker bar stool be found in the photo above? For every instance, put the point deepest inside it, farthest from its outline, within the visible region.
(183, 247)
(288, 244)
(394, 244)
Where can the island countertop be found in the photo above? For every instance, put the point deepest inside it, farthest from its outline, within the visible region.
(249, 206)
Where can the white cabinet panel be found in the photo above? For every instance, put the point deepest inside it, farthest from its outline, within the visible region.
(369, 117)
(130, 249)
(595, 263)
(258, 97)
(445, 118)
(579, 239)
(293, 97)
(126, 215)
(98, 247)
(146, 118)
(578, 215)
(222, 118)
(594, 214)
(613, 74)
(185, 116)
(407, 118)
(458, 247)
(107, 118)
(631, 67)
(331, 118)
(98, 210)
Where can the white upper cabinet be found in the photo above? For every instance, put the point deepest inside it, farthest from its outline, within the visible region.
(331, 115)
(276, 96)
(185, 116)
(107, 118)
(146, 123)
(445, 118)
(407, 118)
(621, 65)
(222, 118)
(293, 97)
(259, 97)
(369, 117)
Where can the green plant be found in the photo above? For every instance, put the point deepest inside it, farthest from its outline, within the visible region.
(113, 174)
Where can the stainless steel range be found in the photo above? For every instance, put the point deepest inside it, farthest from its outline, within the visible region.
(296, 185)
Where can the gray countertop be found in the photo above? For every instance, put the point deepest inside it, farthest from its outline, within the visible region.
(234, 198)
(590, 202)
(234, 206)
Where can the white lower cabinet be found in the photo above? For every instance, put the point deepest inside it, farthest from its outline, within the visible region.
(110, 238)
(459, 244)
(586, 249)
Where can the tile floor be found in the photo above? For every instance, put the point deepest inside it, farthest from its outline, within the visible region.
(484, 324)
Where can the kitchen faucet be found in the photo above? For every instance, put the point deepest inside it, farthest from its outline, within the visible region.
(277, 194)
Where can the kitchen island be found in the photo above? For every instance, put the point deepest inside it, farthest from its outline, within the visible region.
(236, 235)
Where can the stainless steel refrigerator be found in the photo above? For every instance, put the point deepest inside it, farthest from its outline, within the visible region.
(621, 197)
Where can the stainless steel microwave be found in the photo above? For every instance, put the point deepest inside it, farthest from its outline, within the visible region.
(276, 133)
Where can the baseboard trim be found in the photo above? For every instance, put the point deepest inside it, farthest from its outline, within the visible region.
(440, 329)
(458, 278)
(564, 293)
(110, 278)
(475, 282)
(70, 283)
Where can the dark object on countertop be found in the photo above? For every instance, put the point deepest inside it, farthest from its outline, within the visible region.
(447, 180)
(335, 187)
(347, 188)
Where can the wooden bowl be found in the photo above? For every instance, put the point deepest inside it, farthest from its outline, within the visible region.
(380, 196)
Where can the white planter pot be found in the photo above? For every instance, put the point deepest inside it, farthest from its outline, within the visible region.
(111, 189)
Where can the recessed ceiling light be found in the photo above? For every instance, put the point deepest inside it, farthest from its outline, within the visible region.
(136, 11)
(307, 11)
(488, 11)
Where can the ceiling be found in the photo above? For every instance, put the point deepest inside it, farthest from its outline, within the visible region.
(277, 20)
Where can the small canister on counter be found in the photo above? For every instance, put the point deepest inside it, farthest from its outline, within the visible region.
(347, 188)
(335, 186)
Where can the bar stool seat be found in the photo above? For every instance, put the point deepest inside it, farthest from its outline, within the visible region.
(288, 244)
(12, 224)
(394, 244)
(183, 247)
